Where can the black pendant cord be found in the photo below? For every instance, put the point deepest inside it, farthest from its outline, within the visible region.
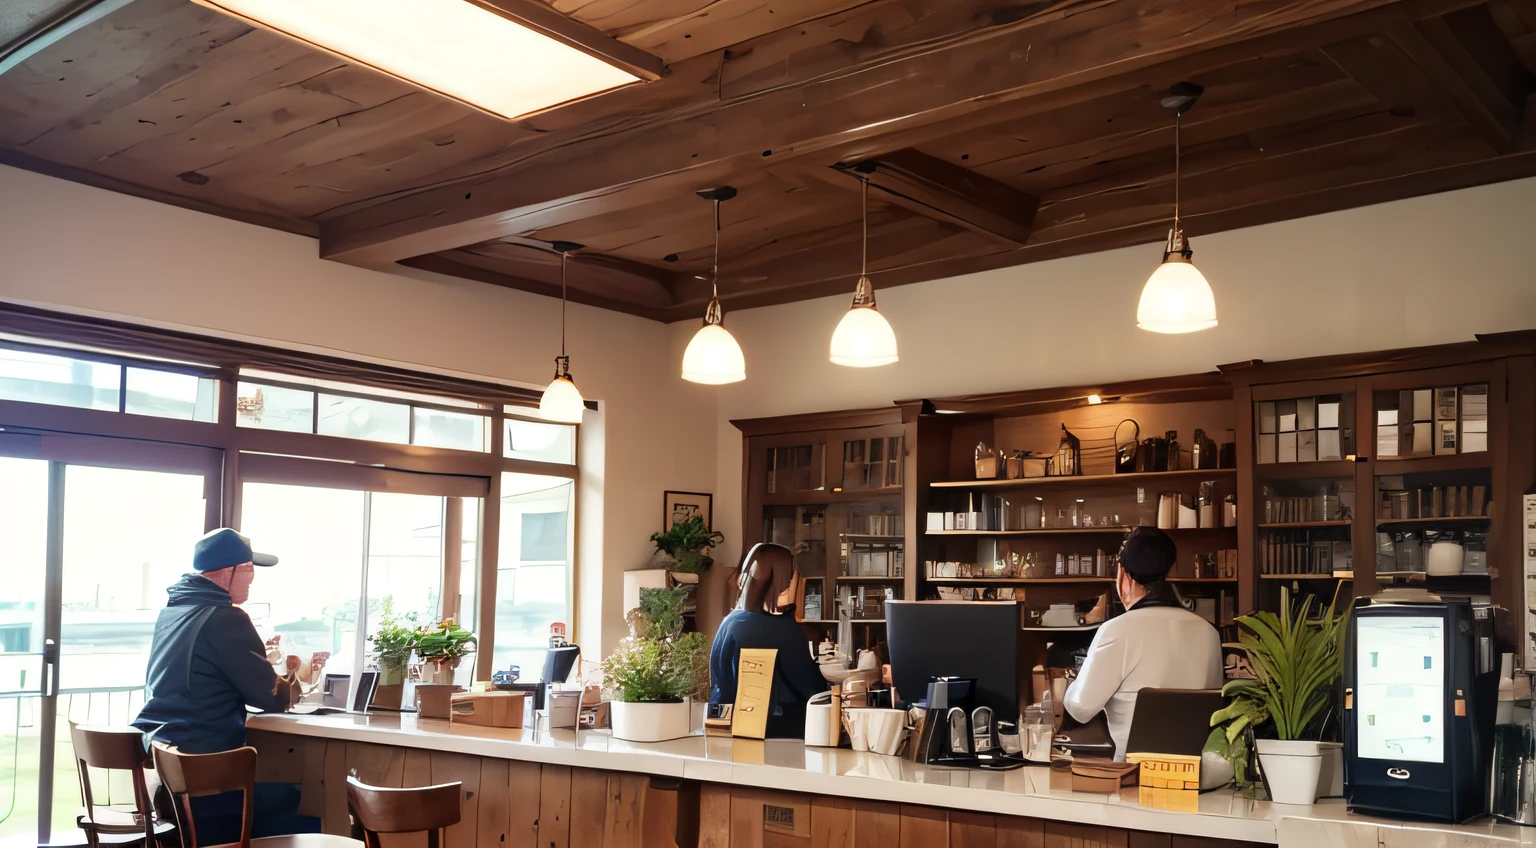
(864, 202)
(563, 257)
(1177, 175)
(714, 281)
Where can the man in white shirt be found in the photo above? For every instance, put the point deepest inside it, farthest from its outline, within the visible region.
(1155, 644)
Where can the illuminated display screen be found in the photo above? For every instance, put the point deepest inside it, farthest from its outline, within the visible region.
(1400, 688)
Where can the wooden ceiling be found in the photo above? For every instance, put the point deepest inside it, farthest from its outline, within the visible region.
(995, 132)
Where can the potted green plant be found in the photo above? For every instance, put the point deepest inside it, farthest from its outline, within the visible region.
(685, 544)
(655, 670)
(1286, 709)
(393, 643)
(441, 648)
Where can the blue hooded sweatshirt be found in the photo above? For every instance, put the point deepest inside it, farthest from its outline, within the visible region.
(205, 665)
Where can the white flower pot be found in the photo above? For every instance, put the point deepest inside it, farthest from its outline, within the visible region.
(1293, 769)
(649, 721)
(1330, 778)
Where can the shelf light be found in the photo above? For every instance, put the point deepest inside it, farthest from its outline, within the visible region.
(455, 48)
(1094, 399)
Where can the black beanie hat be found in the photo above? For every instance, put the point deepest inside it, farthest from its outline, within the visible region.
(1148, 555)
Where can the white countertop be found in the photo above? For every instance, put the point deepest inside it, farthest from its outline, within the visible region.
(790, 765)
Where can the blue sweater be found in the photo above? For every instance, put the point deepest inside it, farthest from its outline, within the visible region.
(205, 664)
(795, 675)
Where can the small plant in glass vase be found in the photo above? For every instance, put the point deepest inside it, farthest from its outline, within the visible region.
(681, 550)
(393, 643)
(656, 670)
(441, 648)
(1290, 707)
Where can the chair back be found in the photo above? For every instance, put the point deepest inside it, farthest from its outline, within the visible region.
(112, 749)
(188, 776)
(384, 810)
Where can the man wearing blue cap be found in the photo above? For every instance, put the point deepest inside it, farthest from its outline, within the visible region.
(205, 665)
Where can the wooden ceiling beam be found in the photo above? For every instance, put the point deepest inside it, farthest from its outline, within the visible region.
(1436, 50)
(994, 63)
(936, 189)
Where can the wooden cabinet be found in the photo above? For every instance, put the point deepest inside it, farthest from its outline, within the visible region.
(832, 489)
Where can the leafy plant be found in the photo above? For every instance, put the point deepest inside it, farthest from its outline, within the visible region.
(657, 661)
(396, 637)
(446, 641)
(1297, 663)
(686, 542)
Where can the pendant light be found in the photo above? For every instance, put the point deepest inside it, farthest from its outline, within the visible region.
(713, 357)
(1176, 298)
(863, 339)
(562, 401)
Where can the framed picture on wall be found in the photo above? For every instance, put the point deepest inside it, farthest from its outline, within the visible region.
(681, 506)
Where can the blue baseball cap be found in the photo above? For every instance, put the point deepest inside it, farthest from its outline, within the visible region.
(224, 548)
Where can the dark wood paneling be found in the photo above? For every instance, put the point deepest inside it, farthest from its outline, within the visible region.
(1308, 108)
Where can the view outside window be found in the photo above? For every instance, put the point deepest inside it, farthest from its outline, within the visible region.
(359, 418)
(58, 380)
(540, 441)
(323, 538)
(187, 397)
(310, 597)
(533, 577)
(274, 408)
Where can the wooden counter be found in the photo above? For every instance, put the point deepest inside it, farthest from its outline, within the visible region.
(563, 789)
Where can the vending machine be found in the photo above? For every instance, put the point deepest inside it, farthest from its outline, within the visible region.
(1419, 700)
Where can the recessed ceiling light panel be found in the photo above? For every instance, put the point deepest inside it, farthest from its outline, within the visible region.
(453, 47)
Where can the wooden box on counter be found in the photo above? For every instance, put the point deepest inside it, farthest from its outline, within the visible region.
(489, 709)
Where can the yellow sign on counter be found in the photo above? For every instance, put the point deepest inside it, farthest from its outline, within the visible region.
(754, 692)
(1168, 781)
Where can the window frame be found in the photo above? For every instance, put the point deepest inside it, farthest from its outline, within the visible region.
(319, 460)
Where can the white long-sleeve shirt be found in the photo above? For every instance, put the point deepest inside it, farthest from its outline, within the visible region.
(1159, 647)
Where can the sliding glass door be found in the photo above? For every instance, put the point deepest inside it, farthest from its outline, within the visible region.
(92, 531)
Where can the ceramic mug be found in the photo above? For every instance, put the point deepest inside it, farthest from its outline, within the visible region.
(879, 731)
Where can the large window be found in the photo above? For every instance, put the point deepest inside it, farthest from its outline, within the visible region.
(120, 445)
(533, 576)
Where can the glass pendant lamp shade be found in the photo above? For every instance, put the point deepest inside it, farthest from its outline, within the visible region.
(562, 401)
(713, 357)
(863, 339)
(1176, 298)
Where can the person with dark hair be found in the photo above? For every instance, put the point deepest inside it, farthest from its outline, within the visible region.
(765, 618)
(1156, 644)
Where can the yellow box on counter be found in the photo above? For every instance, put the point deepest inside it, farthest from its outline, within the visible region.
(1168, 771)
(1168, 781)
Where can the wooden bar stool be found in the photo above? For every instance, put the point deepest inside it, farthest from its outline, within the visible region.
(385, 810)
(115, 749)
(188, 776)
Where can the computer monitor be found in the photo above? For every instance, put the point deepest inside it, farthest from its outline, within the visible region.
(968, 639)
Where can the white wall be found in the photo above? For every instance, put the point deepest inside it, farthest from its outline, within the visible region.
(81, 249)
(1424, 271)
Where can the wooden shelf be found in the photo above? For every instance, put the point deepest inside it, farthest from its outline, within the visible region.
(869, 537)
(1071, 531)
(812, 497)
(1142, 477)
(1299, 525)
(1304, 470)
(845, 578)
(1305, 577)
(867, 620)
(1482, 460)
(1202, 580)
(1013, 581)
(1076, 628)
(818, 621)
(1449, 519)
